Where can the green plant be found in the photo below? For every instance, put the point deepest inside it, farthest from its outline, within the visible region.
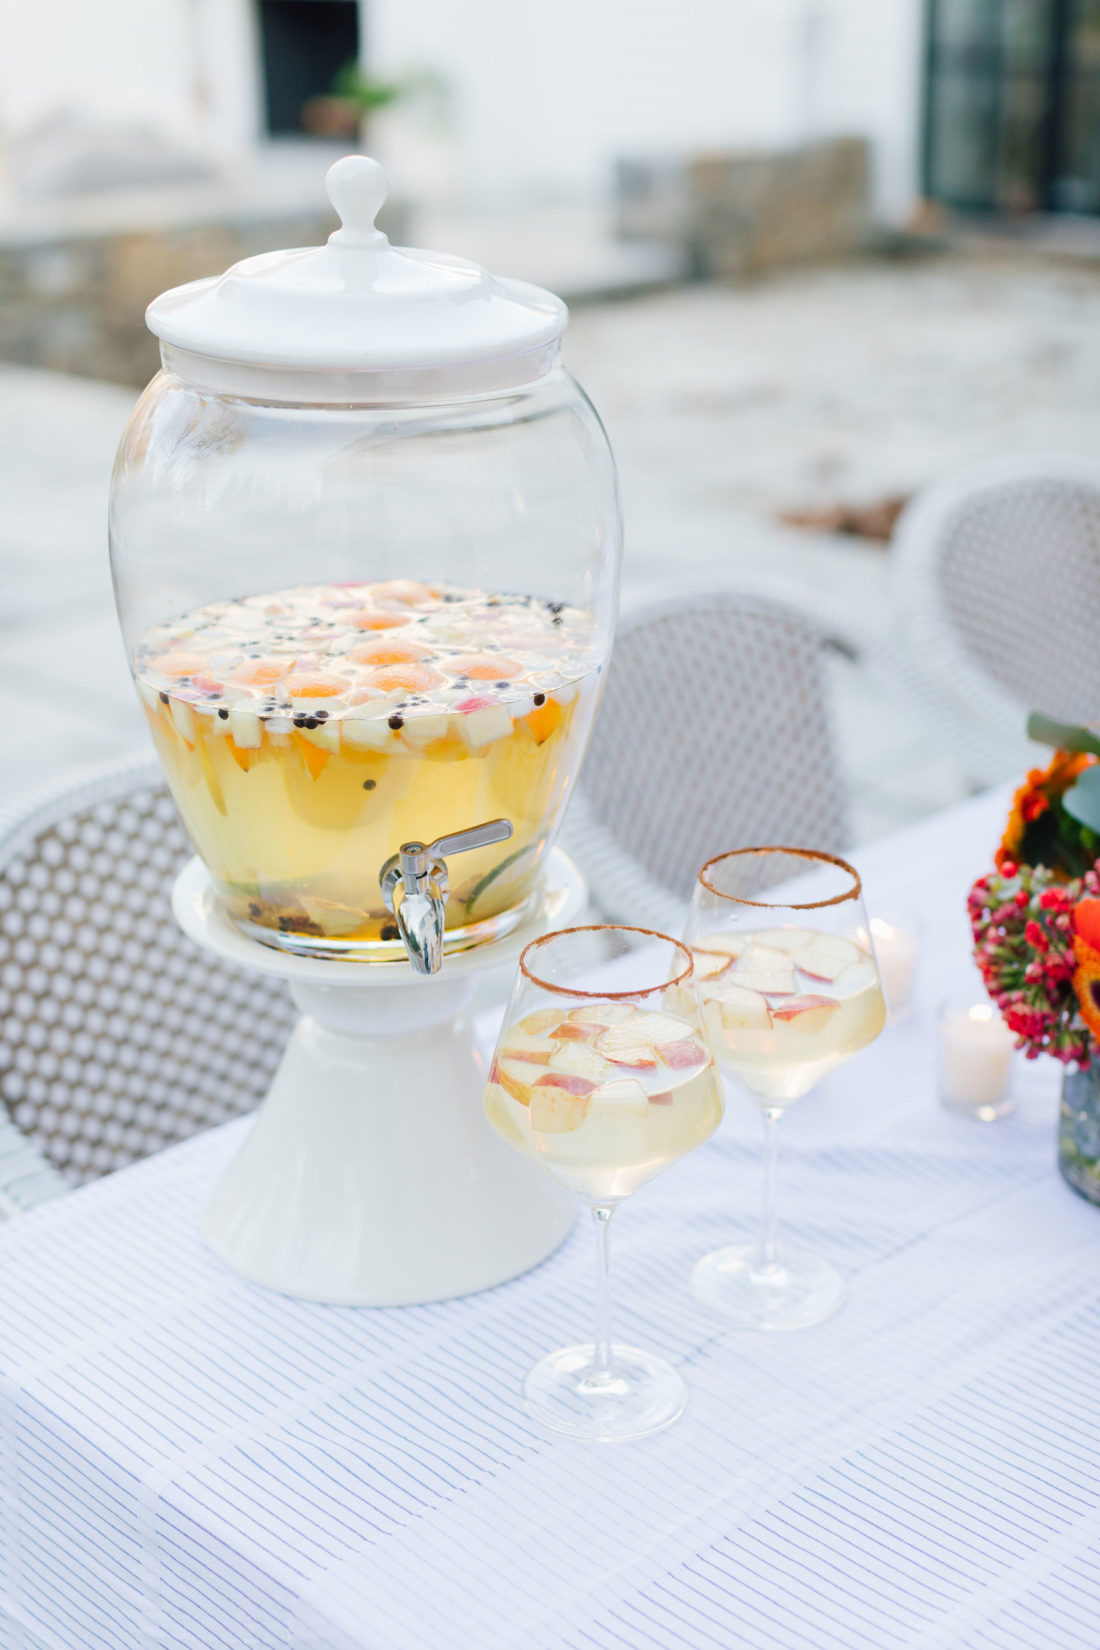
(367, 94)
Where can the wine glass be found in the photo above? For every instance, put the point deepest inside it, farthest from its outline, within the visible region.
(790, 986)
(603, 1074)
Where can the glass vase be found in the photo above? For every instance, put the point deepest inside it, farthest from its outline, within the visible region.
(1079, 1132)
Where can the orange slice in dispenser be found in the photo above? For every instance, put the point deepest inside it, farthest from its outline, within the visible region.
(485, 667)
(544, 719)
(378, 621)
(301, 685)
(262, 672)
(179, 664)
(388, 653)
(405, 591)
(404, 679)
(315, 759)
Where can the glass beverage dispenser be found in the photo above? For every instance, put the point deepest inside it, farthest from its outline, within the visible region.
(365, 540)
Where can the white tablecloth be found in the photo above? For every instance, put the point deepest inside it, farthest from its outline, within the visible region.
(189, 1462)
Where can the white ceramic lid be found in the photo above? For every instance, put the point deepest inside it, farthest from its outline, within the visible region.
(357, 303)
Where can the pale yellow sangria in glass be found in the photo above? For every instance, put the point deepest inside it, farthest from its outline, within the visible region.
(603, 1075)
(790, 989)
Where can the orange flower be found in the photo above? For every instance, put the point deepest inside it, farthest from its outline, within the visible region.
(1086, 981)
(1063, 771)
(1086, 921)
(1034, 797)
(1013, 839)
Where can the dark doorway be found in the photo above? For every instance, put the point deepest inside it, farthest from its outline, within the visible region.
(1012, 105)
(303, 46)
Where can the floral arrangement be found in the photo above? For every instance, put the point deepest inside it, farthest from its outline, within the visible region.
(1036, 915)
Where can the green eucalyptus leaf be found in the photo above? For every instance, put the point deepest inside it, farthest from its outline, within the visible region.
(1082, 800)
(1062, 735)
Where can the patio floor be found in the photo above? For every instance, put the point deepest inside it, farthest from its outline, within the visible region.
(724, 407)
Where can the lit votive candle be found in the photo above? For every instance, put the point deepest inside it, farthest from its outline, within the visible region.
(975, 1059)
(896, 949)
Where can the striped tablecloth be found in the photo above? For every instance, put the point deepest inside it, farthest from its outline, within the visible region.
(189, 1462)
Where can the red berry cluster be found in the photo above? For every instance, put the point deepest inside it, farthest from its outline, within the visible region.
(1022, 920)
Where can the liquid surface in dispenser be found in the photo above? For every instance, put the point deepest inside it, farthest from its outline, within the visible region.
(307, 733)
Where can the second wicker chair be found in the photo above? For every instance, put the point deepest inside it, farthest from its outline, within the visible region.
(715, 731)
(997, 572)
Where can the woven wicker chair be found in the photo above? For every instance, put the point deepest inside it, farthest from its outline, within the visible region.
(117, 1035)
(715, 731)
(998, 604)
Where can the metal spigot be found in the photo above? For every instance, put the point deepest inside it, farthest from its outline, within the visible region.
(422, 871)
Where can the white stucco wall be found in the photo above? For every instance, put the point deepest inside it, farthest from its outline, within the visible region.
(184, 68)
(130, 54)
(869, 81)
(543, 98)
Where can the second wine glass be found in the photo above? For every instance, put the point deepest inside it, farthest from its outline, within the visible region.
(790, 989)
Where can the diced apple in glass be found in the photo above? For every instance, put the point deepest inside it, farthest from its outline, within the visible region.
(559, 1103)
(826, 957)
(807, 1015)
(581, 1060)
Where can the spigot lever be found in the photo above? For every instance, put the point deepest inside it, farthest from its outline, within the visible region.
(422, 872)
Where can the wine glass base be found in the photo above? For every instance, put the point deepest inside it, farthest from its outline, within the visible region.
(799, 1290)
(639, 1394)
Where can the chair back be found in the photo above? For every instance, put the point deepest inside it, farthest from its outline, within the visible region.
(998, 599)
(118, 1036)
(714, 732)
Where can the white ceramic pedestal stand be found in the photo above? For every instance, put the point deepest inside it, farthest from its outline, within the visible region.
(370, 1176)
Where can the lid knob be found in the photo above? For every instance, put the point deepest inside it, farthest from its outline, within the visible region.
(356, 187)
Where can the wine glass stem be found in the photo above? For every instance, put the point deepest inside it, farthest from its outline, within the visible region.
(766, 1261)
(601, 1214)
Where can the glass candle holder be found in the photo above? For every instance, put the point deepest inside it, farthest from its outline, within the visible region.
(975, 1053)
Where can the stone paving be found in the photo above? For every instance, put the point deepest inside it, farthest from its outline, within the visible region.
(724, 406)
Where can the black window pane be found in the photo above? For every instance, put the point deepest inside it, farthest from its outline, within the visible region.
(1019, 183)
(967, 24)
(1077, 182)
(304, 44)
(963, 160)
(1012, 105)
(1026, 33)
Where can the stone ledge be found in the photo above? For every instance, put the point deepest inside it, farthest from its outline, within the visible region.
(741, 212)
(76, 302)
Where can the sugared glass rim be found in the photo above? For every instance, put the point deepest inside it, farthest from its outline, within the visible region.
(604, 928)
(814, 854)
